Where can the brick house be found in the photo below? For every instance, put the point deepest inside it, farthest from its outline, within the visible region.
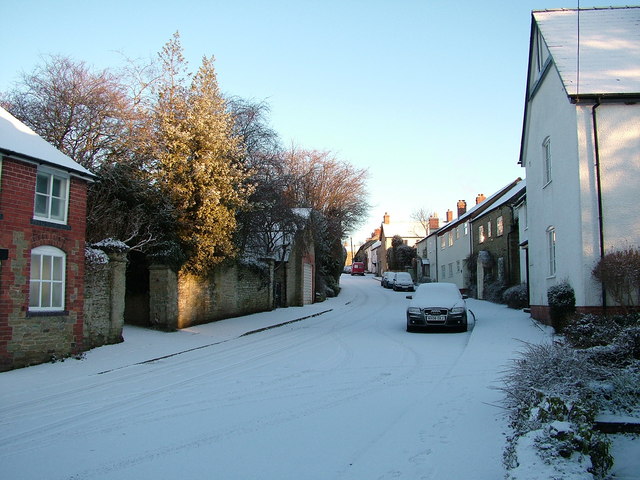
(42, 248)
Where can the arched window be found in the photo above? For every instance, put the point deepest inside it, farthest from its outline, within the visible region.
(47, 282)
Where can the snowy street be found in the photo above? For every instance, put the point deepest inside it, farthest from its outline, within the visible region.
(345, 393)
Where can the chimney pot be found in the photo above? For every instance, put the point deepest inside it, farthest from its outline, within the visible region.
(480, 198)
(386, 218)
(462, 208)
(449, 216)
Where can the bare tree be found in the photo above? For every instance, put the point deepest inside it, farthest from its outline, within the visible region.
(422, 216)
(87, 115)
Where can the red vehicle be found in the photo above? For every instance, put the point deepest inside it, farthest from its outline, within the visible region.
(357, 268)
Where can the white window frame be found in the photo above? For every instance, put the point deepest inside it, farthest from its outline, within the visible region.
(500, 226)
(466, 228)
(47, 283)
(451, 270)
(489, 229)
(546, 162)
(444, 271)
(551, 251)
(450, 238)
(50, 198)
(481, 237)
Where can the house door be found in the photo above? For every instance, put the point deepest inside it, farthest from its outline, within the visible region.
(307, 284)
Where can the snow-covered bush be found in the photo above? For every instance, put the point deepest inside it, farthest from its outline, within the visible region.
(111, 245)
(553, 393)
(562, 303)
(95, 257)
(516, 296)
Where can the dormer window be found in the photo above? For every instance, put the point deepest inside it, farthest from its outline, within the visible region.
(52, 194)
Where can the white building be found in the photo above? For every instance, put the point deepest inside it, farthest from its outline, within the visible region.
(580, 147)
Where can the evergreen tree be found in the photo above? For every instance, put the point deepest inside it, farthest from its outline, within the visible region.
(198, 164)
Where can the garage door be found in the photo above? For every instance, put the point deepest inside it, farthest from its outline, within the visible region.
(307, 284)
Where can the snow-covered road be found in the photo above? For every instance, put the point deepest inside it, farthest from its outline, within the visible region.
(343, 394)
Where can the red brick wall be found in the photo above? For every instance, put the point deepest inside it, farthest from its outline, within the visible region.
(27, 338)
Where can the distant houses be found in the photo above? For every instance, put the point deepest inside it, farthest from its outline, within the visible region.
(580, 148)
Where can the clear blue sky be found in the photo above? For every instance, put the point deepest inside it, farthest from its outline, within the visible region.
(428, 95)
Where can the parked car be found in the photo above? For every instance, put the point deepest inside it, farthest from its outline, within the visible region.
(437, 305)
(403, 281)
(357, 268)
(386, 279)
(346, 269)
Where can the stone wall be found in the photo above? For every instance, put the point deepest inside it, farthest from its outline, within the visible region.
(183, 299)
(104, 301)
(230, 292)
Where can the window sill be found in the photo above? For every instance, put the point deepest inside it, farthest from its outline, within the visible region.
(45, 223)
(47, 313)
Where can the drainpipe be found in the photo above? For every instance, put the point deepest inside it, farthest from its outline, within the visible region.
(599, 192)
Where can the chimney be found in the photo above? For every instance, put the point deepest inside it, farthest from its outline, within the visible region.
(462, 208)
(386, 218)
(480, 198)
(434, 222)
(449, 216)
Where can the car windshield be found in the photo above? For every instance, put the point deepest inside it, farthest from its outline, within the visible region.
(403, 276)
(437, 293)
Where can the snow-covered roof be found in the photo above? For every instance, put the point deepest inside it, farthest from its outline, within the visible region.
(502, 195)
(16, 139)
(609, 54)
(403, 229)
(513, 192)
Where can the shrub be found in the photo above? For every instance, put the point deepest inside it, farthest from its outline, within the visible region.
(619, 272)
(585, 331)
(493, 291)
(516, 296)
(562, 304)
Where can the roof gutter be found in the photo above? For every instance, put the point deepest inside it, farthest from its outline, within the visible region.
(88, 176)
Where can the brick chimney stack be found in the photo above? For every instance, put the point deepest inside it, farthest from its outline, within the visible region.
(434, 222)
(462, 208)
(386, 218)
(449, 216)
(480, 198)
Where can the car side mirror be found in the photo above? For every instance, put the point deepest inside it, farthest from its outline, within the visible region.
(409, 297)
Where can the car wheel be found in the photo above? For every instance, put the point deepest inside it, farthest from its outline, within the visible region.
(410, 329)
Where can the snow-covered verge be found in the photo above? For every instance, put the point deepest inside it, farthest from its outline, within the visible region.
(556, 392)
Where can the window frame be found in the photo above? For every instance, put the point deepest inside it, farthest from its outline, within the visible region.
(551, 251)
(546, 162)
(481, 237)
(52, 174)
(500, 226)
(36, 276)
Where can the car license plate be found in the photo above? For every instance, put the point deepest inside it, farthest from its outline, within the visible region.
(436, 318)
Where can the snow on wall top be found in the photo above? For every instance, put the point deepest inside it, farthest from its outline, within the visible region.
(609, 48)
(18, 139)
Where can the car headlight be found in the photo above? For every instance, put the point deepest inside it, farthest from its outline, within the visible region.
(413, 310)
(457, 310)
